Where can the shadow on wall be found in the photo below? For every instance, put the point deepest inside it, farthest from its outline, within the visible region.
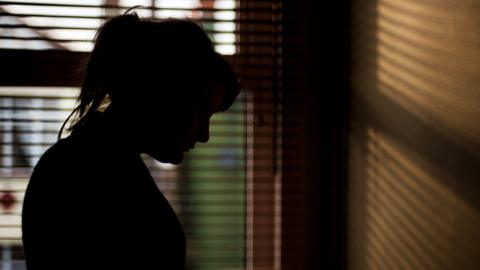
(414, 166)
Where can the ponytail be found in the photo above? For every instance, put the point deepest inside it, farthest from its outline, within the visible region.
(110, 41)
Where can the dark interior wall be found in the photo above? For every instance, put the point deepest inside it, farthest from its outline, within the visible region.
(414, 145)
(316, 64)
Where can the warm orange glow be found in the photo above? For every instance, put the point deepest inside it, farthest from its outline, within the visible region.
(429, 65)
(415, 139)
(412, 219)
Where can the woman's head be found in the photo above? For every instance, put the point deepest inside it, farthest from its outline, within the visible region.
(163, 80)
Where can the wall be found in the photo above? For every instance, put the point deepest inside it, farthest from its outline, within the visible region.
(414, 144)
(314, 109)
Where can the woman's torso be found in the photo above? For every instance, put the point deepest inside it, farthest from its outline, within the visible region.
(92, 204)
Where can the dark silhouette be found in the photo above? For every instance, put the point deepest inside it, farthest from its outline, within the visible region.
(91, 202)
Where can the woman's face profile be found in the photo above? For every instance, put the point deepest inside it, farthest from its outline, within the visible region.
(171, 128)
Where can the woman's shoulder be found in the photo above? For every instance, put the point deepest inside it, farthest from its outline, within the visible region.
(87, 157)
(69, 169)
(56, 162)
(63, 152)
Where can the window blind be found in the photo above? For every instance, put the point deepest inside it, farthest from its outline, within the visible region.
(227, 193)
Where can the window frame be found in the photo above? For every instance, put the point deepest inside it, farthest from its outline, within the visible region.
(265, 241)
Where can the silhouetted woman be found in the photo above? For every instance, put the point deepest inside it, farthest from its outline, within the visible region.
(91, 202)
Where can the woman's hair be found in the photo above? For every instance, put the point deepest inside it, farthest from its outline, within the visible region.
(130, 52)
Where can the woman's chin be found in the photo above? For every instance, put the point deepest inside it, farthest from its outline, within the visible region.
(177, 161)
